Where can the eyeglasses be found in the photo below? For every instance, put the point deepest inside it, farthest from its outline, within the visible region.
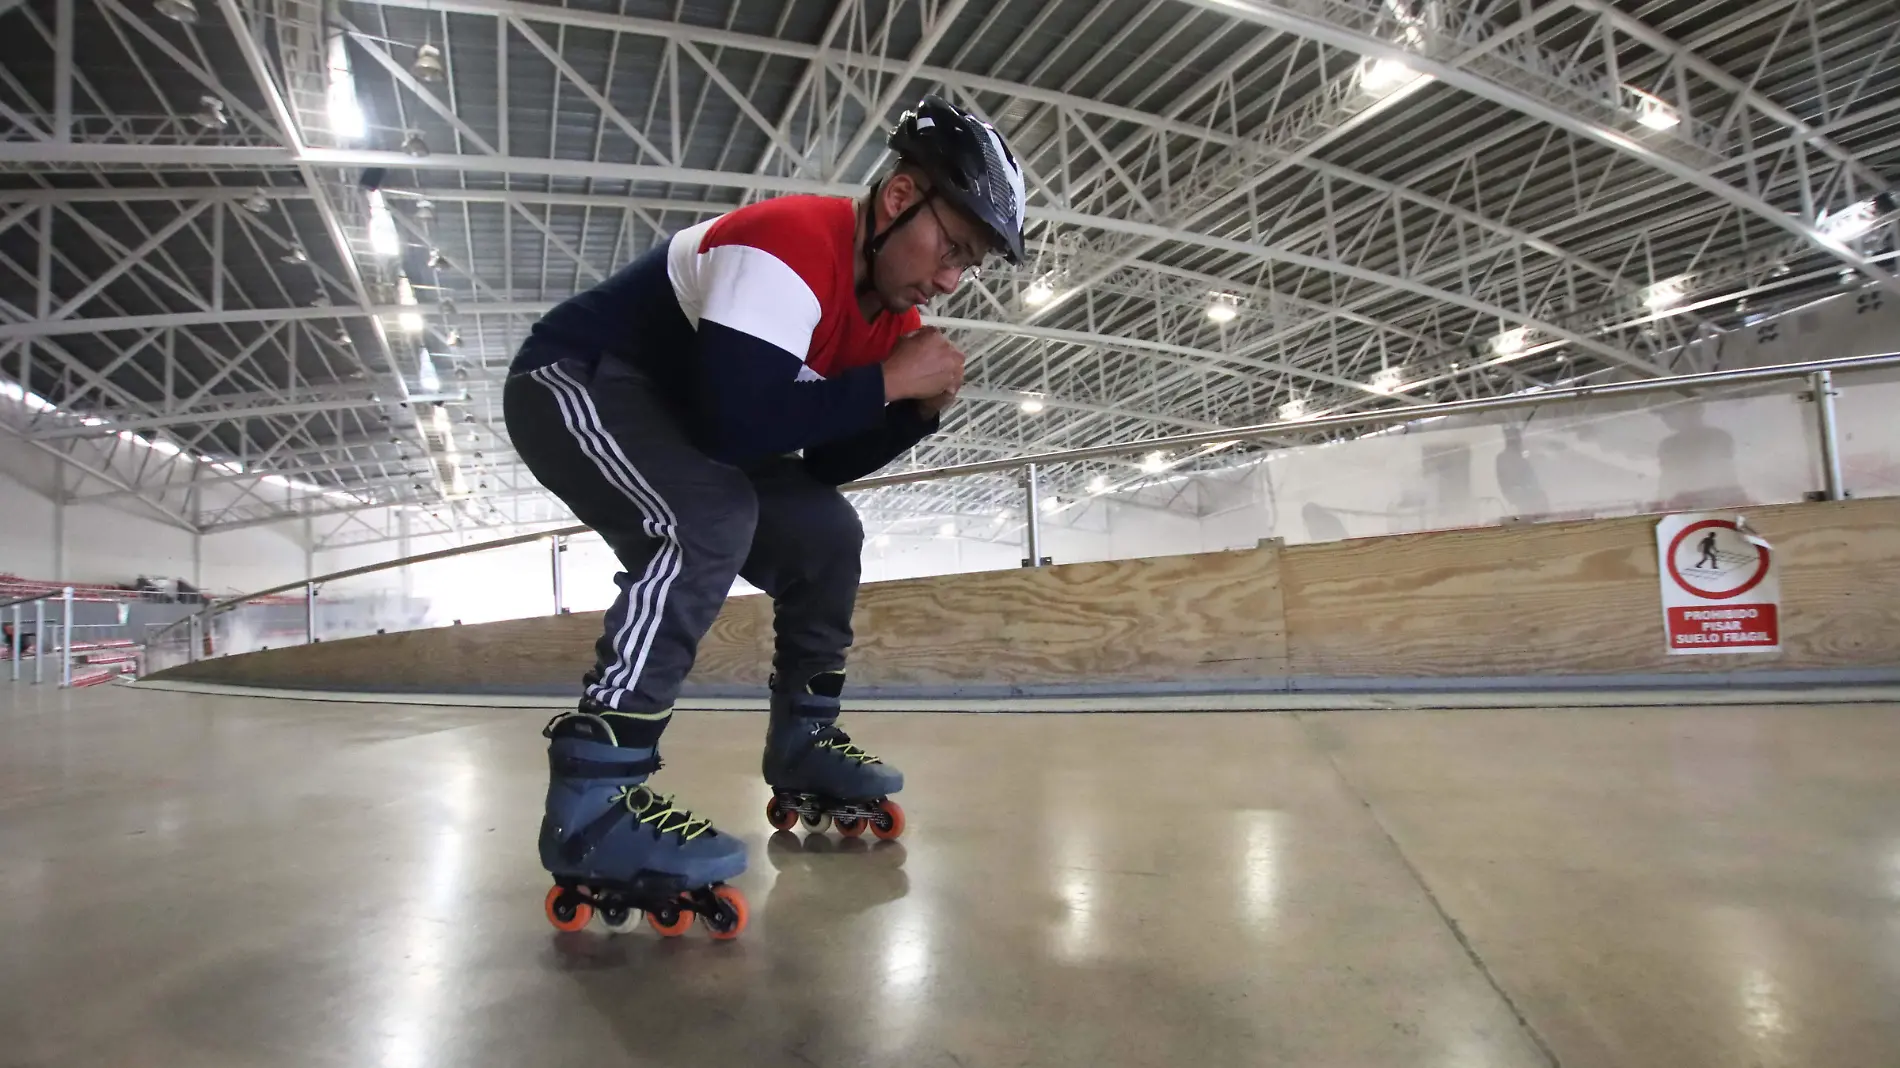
(967, 264)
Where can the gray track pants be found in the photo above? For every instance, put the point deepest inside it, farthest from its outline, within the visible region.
(683, 525)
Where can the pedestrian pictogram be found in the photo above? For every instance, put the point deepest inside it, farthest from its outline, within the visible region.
(1719, 589)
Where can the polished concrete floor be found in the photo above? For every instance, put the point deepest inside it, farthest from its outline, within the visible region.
(213, 881)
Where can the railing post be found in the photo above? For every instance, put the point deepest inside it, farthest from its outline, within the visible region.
(1032, 533)
(66, 642)
(16, 643)
(556, 546)
(1822, 383)
(310, 613)
(39, 641)
(191, 637)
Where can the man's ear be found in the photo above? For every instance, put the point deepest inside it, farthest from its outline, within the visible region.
(898, 193)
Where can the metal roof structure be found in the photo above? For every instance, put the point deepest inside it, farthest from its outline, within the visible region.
(293, 244)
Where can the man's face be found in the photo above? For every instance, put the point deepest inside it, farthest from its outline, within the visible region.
(930, 254)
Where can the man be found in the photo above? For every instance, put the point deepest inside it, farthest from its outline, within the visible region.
(664, 407)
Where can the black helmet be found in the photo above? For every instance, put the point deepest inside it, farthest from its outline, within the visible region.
(966, 161)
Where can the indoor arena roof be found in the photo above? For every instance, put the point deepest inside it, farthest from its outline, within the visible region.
(1241, 211)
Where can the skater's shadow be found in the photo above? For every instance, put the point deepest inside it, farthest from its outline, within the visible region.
(833, 876)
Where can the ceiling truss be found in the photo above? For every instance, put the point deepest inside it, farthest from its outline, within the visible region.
(1379, 192)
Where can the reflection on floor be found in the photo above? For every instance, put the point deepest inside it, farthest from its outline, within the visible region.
(225, 881)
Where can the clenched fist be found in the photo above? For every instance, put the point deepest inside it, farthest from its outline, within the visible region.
(922, 364)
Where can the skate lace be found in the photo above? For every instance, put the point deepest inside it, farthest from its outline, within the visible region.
(666, 817)
(839, 742)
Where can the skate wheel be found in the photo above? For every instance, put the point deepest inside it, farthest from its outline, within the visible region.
(618, 920)
(566, 911)
(729, 920)
(889, 821)
(780, 817)
(818, 824)
(849, 826)
(671, 921)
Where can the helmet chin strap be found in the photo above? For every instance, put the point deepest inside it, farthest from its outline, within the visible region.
(874, 242)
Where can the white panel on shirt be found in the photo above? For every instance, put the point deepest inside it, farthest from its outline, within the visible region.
(746, 289)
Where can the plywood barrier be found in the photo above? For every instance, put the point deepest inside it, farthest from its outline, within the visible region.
(1211, 615)
(1581, 598)
(1559, 599)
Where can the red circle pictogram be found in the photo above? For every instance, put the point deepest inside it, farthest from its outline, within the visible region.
(1675, 572)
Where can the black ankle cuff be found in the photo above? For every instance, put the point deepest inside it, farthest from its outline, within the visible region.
(636, 732)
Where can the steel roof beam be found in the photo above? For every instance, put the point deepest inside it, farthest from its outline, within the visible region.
(1337, 31)
(566, 16)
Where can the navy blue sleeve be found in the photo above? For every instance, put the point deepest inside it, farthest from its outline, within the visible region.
(848, 459)
(749, 402)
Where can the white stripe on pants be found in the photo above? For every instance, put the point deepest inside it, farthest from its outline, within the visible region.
(646, 600)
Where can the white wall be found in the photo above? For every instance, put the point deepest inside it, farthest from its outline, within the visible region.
(1558, 462)
(115, 542)
(26, 527)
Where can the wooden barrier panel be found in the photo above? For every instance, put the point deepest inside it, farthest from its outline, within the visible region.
(1212, 615)
(1580, 598)
(1557, 599)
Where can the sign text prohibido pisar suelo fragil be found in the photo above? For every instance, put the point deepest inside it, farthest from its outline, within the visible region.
(1720, 593)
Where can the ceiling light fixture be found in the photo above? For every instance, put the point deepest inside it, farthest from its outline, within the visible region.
(1381, 77)
(409, 320)
(183, 12)
(428, 64)
(346, 113)
(1652, 112)
(1510, 342)
(1855, 220)
(1665, 294)
(382, 227)
(210, 113)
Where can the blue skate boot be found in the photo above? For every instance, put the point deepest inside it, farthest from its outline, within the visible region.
(817, 774)
(617, 848)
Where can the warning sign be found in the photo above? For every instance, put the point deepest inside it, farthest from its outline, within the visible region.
(1720, 593)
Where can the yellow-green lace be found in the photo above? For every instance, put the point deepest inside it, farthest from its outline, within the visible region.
(839, 742)
(660, 811)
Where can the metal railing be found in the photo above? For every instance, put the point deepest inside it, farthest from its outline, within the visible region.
(1817, 373)
(64, 648)
(56, 638)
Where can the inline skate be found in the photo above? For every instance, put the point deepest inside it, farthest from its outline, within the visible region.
(816, 774)
(617, 848)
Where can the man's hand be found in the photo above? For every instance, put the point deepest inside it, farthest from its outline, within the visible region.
(923, 364)
(934, 406)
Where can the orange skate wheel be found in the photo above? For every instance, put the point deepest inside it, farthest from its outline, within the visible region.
(567, 914)
(780, 817)
(682, 919)
(733, 899)
(849, 826)
(889, 823)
